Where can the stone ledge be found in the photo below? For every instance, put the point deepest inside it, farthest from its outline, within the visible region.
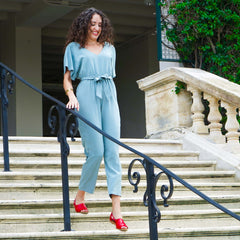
(200, 79)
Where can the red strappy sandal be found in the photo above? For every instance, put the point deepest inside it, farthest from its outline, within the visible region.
(120, 224)
(80, 207)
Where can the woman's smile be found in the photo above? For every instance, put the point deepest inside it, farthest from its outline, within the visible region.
(95, 27)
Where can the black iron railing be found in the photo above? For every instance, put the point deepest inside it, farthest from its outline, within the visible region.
(8, 77)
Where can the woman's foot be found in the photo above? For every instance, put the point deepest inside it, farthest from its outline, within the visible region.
(120, 224)
(80, 207)
(79, 204)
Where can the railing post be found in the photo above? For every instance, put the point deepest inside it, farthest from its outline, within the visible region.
(64, 160)
(4, 119)
(214, 117)
(151, 197)
(232, 124)
(197, 110)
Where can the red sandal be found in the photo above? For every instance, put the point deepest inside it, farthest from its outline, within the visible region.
(80, 207)
(120, 224)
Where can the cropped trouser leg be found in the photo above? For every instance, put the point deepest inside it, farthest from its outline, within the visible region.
(111, 150)
(104, 113)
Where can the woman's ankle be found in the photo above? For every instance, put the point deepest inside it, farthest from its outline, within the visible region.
(116, 209)
(80, 197)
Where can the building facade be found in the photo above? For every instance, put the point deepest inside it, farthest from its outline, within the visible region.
(32, 39)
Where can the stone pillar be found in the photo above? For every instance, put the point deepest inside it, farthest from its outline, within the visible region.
(28, 65)
(165, 110)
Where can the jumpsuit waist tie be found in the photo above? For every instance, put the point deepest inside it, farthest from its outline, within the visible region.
(99, 85)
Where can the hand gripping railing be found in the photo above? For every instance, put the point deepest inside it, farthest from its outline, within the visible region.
(8, 78)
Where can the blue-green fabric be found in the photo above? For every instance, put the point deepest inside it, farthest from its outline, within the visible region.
(97, 98)
(85, 64)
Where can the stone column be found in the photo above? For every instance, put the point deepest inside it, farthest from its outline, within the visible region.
(28, 65)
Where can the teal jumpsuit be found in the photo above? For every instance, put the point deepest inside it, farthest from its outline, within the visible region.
(96, 94)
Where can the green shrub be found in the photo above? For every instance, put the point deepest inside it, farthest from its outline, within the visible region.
(206, 34)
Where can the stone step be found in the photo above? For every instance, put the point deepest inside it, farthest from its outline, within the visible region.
(54, 163)
(53, 190)
(51, 222)
(11, 207)
(191, 175)
(76, 149)
(26, 180)
(75, 175)
(55, 206)
(186, 202)
(211, 233)
(216, 228)
(101, 187)
(104, 216)
(138, 144)
(25, 195)
(102, 184)
(165, 155)
(32, 208)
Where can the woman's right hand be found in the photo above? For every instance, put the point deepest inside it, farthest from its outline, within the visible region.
(67, 85)
(73, 102)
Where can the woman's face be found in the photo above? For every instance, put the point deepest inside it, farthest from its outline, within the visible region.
(95, 27)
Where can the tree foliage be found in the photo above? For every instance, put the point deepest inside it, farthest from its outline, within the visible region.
(206, 34)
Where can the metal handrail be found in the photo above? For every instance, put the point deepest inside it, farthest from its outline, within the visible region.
(148, 163)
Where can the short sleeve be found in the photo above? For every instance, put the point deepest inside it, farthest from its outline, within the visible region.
(113, 62)
(69, 61)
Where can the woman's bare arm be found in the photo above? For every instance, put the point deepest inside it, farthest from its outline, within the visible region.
(67, 85)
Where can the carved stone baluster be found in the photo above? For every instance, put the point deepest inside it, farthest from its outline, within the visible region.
(232, 124)
(214, 117)
(197, 110)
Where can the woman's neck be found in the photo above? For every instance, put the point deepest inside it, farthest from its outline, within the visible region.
(94, 46)
(90, 42)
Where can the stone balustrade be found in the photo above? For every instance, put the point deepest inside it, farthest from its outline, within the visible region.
(166, 110)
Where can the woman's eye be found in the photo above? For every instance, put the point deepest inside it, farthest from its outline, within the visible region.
(94, 24)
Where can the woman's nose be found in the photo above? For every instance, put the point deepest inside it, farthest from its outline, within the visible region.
(97, 27)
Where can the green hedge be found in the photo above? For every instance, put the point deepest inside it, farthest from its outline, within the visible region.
(206, 34)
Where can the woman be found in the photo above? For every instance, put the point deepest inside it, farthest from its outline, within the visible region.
(90, 57)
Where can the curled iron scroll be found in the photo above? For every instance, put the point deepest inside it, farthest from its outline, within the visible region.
(164, 188)
(52, 119)
(156, 214)
(134, 179)
(72, 127)
(53, 123)
(9, 80)
(136, 175)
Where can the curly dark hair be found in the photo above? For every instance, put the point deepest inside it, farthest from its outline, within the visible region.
(79, 29)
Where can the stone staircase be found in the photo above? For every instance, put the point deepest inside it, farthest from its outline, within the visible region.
(31, 195)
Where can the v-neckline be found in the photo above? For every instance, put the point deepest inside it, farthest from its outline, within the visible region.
(96, 54)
